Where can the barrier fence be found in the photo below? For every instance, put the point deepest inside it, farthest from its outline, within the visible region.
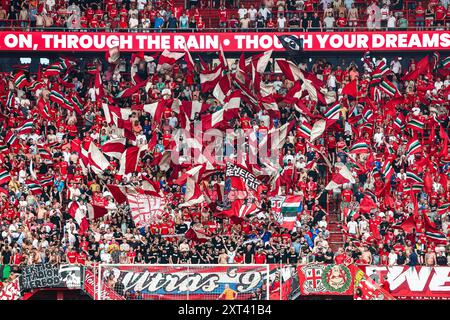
(234, 281)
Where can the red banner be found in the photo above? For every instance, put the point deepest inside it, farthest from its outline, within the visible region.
(229, 41)
(418, 283)
(326, 279)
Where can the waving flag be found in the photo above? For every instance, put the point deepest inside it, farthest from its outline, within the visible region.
(292, 205)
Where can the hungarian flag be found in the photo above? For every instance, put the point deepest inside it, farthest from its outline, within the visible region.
(413, 147)
(333, 112)
(387, 170)
(305, 130)
(359, 147)
(26, 127)
(399, 122)
(20, 80)
(416, 124)
(436, 237)
(292, 205)
(34, 187)
(389, 88)
(4, 176)
(413, 177)
(349, 214)
(443, 208)
(378, 73)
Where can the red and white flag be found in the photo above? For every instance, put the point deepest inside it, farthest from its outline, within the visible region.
(146, 209)
(191, 108)
(130, 159)
(114, 147)
(339, 178)
(209, 79)
(168, 58)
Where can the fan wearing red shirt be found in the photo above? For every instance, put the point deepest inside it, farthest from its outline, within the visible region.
(223, 17)
(439, 14)
(200, 24)
(94, 23)
(341, 22)
(90, 13)
(260, 257)
(113, 12)
(72, 255)
(262, 130)
(81, 258)
(347, 195)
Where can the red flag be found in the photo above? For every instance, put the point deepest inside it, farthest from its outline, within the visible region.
(367, 204)
(351, 89)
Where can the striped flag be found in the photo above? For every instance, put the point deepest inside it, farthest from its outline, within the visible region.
(446, 63)
(291, 206)
(412, 177)
(26, 127)
(349, 214)
(367, 114)
(34, 187)
(399, 122)
(45, 181)
(11, 138)
(438, 237)
(443, 208)
(416, 124)
(387, 170)
(333, 111)
(359, 147)
(413, 188)
(389, 88)
(413, 147)
(305, 130)
(20, 80)
(4, 176)
(10, 99)
(381, 69)
(61, 100)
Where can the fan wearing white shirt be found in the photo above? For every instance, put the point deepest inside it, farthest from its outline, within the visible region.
(242, 11)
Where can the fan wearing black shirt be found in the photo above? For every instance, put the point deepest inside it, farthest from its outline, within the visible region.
(164, 257)
(195, 257)
(175, 256)
(184, 258)
(249, 250)
(271, 257)
(292, 257)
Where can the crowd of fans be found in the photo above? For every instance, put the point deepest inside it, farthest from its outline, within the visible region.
(156, 16)
(37, 228)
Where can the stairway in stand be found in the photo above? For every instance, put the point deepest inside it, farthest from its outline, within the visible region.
(336, 239)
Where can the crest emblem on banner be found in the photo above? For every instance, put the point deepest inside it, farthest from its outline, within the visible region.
(313, 278)
(336, 278)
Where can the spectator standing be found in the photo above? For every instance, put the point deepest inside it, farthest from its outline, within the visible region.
(242, 12)
(391, 22)
(420, 16)
(245, 22)
(353, 17)
(384, 16)
(223, 17)
(252, 14)
(402, 23)
(281, 22)
(184, 21)
(328, 22)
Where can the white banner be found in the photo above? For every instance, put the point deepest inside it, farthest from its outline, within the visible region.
(146, 209)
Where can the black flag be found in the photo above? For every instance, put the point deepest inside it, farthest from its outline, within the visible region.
(293, 46)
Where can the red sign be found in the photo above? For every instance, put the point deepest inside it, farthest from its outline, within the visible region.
(424, 283)
(245, 41)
